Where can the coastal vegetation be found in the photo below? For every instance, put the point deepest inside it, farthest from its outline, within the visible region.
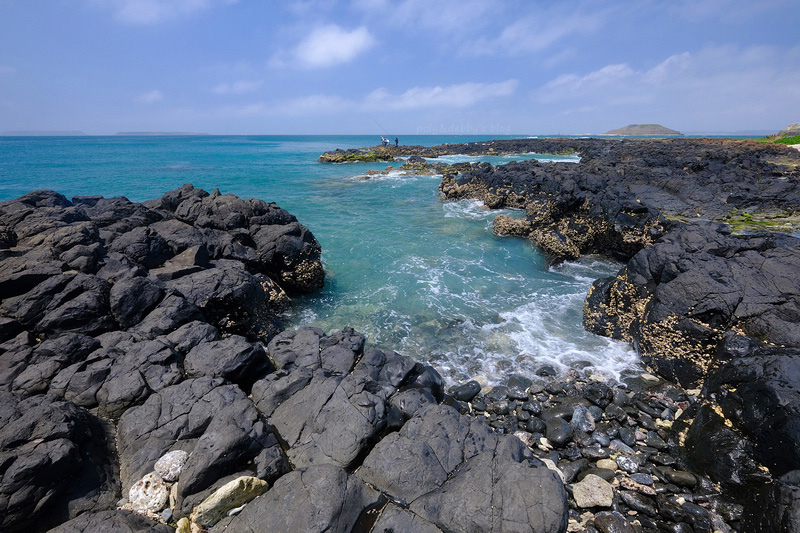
(779, 139)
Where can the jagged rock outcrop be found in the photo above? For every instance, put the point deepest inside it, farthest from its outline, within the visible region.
(624, 195)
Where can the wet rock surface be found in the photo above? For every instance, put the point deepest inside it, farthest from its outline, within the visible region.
(616, 479)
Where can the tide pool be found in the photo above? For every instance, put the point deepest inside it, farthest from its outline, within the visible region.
(417, 274)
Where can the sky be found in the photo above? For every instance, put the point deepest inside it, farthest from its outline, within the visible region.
(398, 66)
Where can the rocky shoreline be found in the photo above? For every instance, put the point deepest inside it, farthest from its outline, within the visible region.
(147, 382)
(704, 307)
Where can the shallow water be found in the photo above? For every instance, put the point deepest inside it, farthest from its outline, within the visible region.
(417, 274)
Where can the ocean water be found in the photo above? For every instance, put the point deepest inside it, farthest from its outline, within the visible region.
(416, 274)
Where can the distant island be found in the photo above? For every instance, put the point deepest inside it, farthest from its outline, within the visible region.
(158, 133)
(41, 133)
(643, 129)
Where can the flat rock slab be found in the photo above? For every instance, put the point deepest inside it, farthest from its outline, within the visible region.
(213, 421)
(53, 453)
(316, 498)
(114, 520)
(455, 473)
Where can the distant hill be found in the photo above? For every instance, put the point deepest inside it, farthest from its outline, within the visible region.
(41, 133)
(158, 133)
(643, 129)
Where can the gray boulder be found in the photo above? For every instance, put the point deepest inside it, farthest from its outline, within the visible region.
(316, 498)
(55, 462)
(112, 521)
(213, 421)
(465, 477)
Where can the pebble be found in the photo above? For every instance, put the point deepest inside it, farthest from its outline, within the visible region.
(169, 466)
(605, 473)
(612, 522)
(593, 491)
(582, 420)
(149, 494)
(558, 431)
(644, 479)
(595, 452)
(629, 484)
(627, 463)
(611, 444)
(608, 464)
(639, 502)
(467, 391)
(681, 478)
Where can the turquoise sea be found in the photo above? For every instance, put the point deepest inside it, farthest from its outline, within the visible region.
(417, 274)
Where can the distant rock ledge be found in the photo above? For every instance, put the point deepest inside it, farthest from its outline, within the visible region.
(643, 129)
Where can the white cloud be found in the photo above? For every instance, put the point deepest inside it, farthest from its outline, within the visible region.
(459, 95)
(314, 104)
(541, 28)
(716, 86)
(155, 11)
(442, 15)
(237, 87)
(150, 97)
(331, 45)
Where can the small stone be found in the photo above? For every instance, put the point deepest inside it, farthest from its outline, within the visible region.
(654, 439)
(644, 479)
(230, 496)
(593, 491)
(606, 474)
(663, 459)
(466, 392)
(601, 438)
(184, 526)
(620, 447)
(615, 412)
(166, 514)
(533, 407)
(595, 452)
(612, 522)
(582, 420)
(681, 478)
(535, 425)
(170, 465)
(526, 438)
(572, 468)
(497, 393)
(639, 502)
(149, 494)
(650, 377)
(558, 432)
(628, 436)
(630, 484)
(627, 463)
(607, 464)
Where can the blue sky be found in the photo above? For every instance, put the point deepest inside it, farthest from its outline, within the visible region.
(406, 66)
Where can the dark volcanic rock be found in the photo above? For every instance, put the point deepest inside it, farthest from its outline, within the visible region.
(491, 480)
(215, 422)
(55, 463)
(315, 498)
(116, 520)
(678, 298)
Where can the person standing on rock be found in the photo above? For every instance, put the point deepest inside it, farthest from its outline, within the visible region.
(396, 141)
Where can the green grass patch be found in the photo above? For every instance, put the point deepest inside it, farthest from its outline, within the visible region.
(774, 139)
